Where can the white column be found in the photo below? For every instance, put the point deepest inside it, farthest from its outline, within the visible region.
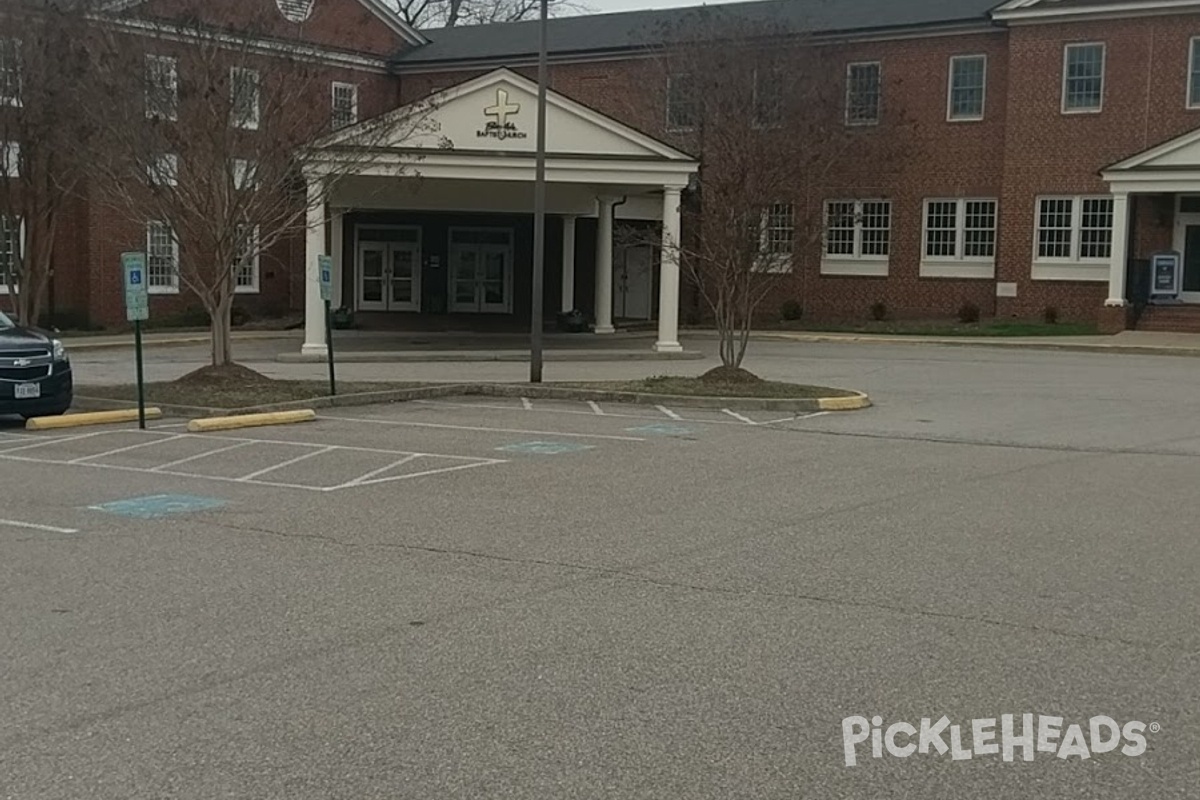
(568, 264)
(1120, 251)
(668, 281)
(314, 307)
(335, 245)
(604, 266)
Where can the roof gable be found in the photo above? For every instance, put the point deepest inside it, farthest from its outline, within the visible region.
(1047, 10)
(497, 112)
(1182, 152)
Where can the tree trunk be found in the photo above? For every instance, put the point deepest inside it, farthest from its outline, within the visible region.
(222, 326)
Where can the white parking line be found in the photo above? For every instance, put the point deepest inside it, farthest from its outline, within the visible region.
(526, 404)
(595, 407)
(361, 479)
(53, 440)
(548, 410)
(125, 449)
(796, 418)
(205, 454)
(738, 416)
(287, 463)
(406, 476)
(484, 430)
(668, 412)
(33, 526)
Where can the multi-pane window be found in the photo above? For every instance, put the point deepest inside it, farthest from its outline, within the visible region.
(858, 229)
(968, 87)
(162, 258)
(960, 229)
(164, 170)
(244, 98)
(245, 270)
(780, 229)
(1194, 75)
(1083, 77)
(244, 173)
(345, 105)
(10, 244)
(162, 87)
(768, 97)
(1074, 228)
(10, 159)
(682, 112)
(863, 93)
(10, 72)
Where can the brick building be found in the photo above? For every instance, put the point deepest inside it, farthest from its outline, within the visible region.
(1050, 150)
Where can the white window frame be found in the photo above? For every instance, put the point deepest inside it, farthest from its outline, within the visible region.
(1067, 48)
(1074, 267)
(671, 126)
(10, 46)
(1192, 101)
(10, 156)
(863, 123)
(950, 89)
(163, 170)
(21, 243)
(255, 272)
(959, 265)
(171, 85)
(856, 263)
(333, 104)
(173, 287)
(244, 172)
(772, 261)
(254, 118)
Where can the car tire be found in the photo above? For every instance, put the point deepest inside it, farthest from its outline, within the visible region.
(58, 412)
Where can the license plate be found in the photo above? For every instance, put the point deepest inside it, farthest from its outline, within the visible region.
(28, 391)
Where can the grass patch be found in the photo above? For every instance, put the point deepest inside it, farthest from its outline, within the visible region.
(701, 387)
(990, 328)
(233, 387)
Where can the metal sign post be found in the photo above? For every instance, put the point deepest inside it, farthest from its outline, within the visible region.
(325, 270)
(137, 310)
(539, 212)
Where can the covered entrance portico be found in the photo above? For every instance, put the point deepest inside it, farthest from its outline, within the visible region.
(1156, 207)
(440, 222)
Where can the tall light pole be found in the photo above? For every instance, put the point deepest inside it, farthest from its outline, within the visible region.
(539, 210)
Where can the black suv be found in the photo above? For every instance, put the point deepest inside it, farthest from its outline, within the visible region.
(35, 374)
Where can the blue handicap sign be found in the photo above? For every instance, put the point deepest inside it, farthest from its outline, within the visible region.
(158, 506)
(544, 448)
(662, 429)
(135, 277)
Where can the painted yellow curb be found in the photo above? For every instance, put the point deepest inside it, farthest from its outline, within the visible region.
(857, 401)
(89, 418)
(251, 420)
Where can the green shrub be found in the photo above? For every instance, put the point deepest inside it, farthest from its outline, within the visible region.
(791, 310)
(1050, 315)
(879, 311)
(968, 314)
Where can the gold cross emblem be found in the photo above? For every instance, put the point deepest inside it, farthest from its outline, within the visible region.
(502, 108)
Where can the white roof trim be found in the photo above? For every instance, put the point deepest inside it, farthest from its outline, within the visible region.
(1147, 157)
(1035, 10)
(553, 98)
(376, 7)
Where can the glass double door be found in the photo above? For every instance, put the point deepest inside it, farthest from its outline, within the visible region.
(481, 271)
(389, 276)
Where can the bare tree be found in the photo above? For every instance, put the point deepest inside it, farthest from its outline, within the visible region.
(764, 105)
(44, 79)
(203, 144)
(450, 13)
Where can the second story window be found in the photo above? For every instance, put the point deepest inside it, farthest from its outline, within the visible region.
(244, 99)
(162, 88)
(863, 93)
(345, 105)
(1083, 78)
(968, 86)
(681, 103)
(768, 97)
(10, 72)
(1193, 99)
(10, 159)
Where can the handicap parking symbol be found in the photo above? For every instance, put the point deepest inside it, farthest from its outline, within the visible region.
(544, 448)
(662, 429)
(159, 505)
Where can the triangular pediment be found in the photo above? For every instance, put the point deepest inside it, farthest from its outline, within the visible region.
(1182, 152)
(497, 113)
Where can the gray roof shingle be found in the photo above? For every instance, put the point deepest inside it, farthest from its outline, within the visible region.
(634, 29)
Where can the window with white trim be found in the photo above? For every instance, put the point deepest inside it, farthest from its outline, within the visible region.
(1083, 77)
(682, 112)
(11, 231)
(10, 159)
(858, 229)
(345, 104)
(245, 271)
(10, 72)
(244, 173)
(768, 97)
(1193, 98)
(864, 93)
(780, 229)
(162, 258)
(1074, 228)
(968, 88)
(244, 98)
(960, 230)
(163, 170)
(162, 87)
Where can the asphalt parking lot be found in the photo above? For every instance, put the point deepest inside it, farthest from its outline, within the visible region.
(496, 598)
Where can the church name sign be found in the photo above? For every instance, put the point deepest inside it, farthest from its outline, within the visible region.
(499, 125)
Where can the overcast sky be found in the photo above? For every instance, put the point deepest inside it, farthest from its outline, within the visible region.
(601, 6)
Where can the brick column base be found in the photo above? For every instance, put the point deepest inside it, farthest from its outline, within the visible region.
(1113, 319)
